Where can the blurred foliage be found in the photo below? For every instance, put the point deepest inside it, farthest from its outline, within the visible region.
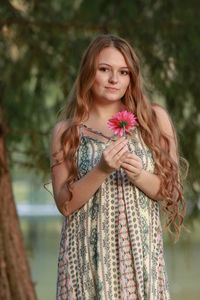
(40, 50)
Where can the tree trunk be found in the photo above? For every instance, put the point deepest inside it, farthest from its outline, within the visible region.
(15, 279)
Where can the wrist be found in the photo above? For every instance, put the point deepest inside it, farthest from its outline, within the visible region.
(137, 178)
(103, 170)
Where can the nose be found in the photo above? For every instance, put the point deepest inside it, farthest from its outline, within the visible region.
(113, 78)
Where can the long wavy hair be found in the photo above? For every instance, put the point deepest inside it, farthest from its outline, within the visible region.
(78, 108)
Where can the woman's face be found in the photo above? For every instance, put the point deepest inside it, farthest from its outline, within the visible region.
(112, 76)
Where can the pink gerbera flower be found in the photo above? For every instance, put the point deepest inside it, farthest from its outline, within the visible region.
(122, 122)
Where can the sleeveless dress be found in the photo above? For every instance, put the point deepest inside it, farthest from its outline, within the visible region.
(112, 247)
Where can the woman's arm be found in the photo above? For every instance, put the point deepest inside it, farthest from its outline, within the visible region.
(148, 182)
(83, 189)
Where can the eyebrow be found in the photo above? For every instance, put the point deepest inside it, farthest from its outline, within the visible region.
(111, 66)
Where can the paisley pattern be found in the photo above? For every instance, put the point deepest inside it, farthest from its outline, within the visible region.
(112, 248)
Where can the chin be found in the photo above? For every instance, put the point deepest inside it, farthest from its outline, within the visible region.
(112, 99)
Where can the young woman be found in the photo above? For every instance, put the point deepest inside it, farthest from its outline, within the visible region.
(111, 190)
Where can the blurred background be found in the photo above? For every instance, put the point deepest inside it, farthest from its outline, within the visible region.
(40, 49)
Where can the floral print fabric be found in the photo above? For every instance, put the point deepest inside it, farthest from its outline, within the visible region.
(112, 247)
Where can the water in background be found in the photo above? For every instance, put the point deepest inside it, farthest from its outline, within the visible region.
(42, 235)
(41, 226)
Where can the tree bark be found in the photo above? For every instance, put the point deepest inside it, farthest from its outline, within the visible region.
(15, 278)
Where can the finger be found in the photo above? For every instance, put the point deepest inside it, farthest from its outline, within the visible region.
(115, 143)
(114, 157)
(124, 156)
(116, 149)
(133, 156)
(119, 155)
(130, 168)
(132, 161)
(133, 164)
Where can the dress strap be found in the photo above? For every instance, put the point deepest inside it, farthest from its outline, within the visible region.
(96, 132)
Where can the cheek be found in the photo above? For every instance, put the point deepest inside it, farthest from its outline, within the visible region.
(126, 83)
(100, 78)
(97, 85)
(96, 80)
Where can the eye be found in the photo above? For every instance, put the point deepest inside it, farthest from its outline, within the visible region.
(124, 72)
(104, 69)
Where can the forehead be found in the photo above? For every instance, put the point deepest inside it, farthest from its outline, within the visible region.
(111, 56)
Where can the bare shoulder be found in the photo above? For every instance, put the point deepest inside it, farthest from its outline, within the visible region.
(60, 127)
(164, 119)
(57, 132)
(160, 111)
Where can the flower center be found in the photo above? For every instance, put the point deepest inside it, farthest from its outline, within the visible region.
(123, 124)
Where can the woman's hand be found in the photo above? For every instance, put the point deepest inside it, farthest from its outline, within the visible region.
(113, 156)
(132, 165)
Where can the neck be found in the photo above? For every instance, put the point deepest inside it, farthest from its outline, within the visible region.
(104, 112)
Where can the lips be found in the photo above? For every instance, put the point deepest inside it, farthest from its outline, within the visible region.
(112, 89)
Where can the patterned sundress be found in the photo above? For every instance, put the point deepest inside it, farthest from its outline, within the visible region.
(112, 247)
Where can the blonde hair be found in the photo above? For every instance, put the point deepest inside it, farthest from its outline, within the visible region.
(134, 99)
